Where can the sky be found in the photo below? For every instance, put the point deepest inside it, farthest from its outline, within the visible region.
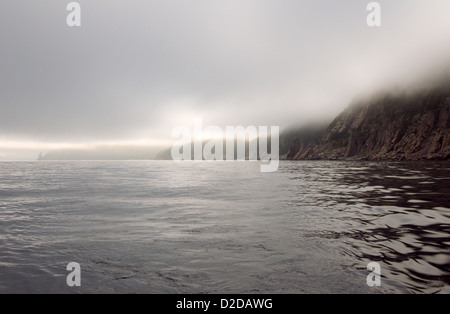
(135, 69)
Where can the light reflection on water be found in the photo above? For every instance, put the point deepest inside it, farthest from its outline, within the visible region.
(158, 227)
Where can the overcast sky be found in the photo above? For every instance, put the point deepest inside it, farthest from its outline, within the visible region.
(135, 68)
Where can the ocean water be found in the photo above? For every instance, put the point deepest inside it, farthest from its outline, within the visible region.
(198, 227)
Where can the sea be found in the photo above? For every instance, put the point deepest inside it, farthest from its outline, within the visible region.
(224, 227)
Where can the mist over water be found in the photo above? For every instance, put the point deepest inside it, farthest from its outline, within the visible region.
(197, 227)
(135, 69)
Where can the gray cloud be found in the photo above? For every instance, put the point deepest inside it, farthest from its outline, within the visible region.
(137, 68)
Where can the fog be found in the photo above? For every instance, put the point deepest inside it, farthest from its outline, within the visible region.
(136, 69)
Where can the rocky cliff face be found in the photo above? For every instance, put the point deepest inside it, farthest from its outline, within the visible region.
(401, 127)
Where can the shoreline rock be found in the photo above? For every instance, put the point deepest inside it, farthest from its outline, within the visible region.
(388, 128)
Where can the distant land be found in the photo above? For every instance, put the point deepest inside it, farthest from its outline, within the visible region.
(392, 126)
(395, 126)
(105, 152)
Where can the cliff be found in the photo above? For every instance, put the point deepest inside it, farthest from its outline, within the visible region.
(390, 127)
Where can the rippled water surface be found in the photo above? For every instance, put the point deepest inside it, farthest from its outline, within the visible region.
(165, 227)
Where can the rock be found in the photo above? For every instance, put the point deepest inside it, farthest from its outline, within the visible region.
(390, 127)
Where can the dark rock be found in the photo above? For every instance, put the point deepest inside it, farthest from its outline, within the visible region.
(392, 127)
